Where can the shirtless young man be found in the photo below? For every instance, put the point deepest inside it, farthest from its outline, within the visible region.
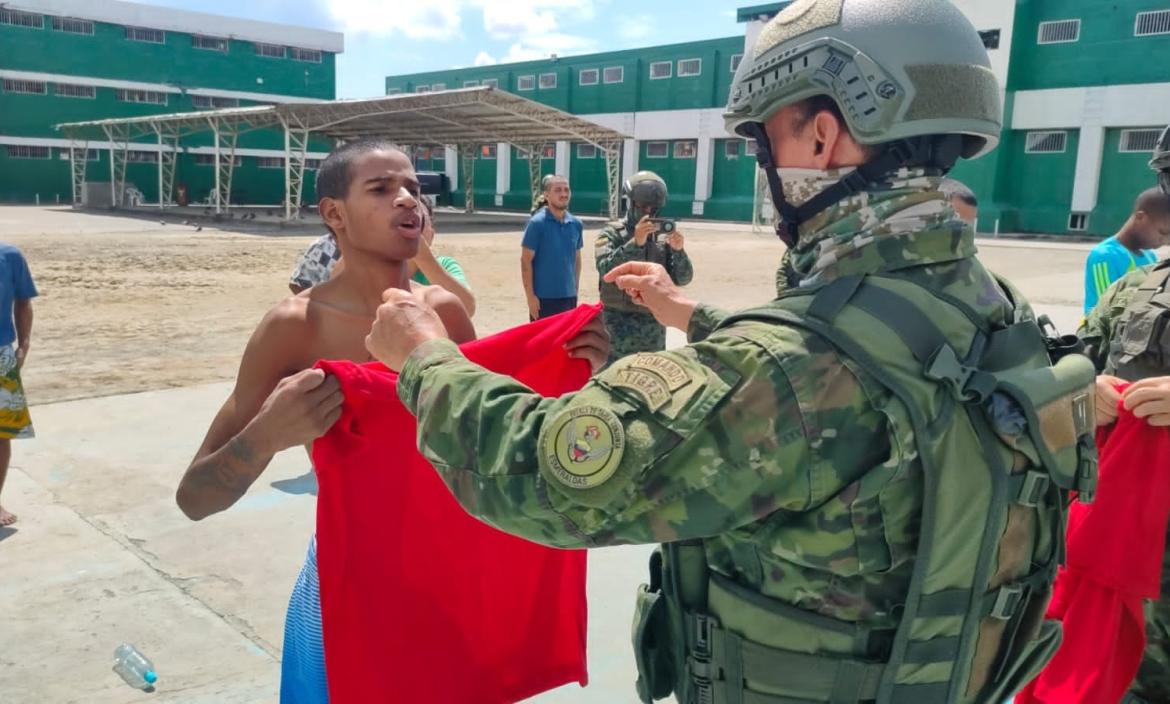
(369, 198)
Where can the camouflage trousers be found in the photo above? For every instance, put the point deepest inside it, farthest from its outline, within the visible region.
(1153, 679)
(630, 333)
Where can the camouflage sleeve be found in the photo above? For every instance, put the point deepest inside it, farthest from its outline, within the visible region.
(1097, 329)
(681, 269)
(612, 249)
(659, 447)
(704, 321)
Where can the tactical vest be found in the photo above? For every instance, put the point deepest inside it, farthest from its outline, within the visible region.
(1140, 346)
(612, 297)
(1003, 435)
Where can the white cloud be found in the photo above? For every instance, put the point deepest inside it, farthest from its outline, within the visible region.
(636, 28)
(507, 19)
(435, 19)
(484, 59)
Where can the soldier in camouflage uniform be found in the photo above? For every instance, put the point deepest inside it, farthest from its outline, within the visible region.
(631, 328)
(1127, 335)
(820, 471)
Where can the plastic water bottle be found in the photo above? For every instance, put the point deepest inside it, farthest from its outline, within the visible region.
(134, 667)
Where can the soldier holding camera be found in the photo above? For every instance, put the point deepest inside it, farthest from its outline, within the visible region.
(642, 237)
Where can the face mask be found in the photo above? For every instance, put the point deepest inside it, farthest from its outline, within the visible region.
(802, 185)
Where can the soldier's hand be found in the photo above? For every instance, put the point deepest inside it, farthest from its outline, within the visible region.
(643, 230)
(676, 241)
(403, 323)
(299, 410)
(591, 344)
(1108, 398)
(1150, 399)
(649, 285)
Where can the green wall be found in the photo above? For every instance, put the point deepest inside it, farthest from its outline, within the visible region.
(733, 182)
(1107, 53)
(1041, 184)
(1123, 177)
(679, 175)
(590, 190)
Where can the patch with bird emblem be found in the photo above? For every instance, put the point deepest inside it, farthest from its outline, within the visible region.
(583, 446)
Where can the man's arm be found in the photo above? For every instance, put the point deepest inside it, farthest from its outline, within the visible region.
(438, 275)
(22, 312)
(452, 312)
(526, 257)
(656, 448)
(264, 414)
(682, 271)
(577, 274)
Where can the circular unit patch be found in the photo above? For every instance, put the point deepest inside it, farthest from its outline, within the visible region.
(584, 446)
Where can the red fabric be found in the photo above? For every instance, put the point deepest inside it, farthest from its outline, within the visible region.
(1115, 549)
(420, 602)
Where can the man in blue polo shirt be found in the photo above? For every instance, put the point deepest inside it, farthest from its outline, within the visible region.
(550, 254)
(1131, 248)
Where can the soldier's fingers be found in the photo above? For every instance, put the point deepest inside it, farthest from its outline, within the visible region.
(639, 268)
(587, 339)
(1148, 383)
(1152, 408)
(636, 282)
(1161, 420)
(1136, 398)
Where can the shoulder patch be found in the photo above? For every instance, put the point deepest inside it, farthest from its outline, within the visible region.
(672, 373)
(583, 447)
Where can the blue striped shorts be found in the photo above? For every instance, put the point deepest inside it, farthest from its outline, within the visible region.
(302, 668)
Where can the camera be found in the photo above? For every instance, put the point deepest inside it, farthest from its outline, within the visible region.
(665, 227)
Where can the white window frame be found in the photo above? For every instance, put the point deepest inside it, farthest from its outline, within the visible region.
(621, 77)
(72, 25)
(393, 91)
(90, 94)
(665, 149)
(731, 149)
(122, 95)
(208, 159)
(736, 60)
(595, 73)
(261, 49)
(91, 154)
(139, 156)
(490, 82)
(1163, 23)
(144, 34)
(548, 151)
(422, 89)
(698, 72)
(674, 149)
(19, 18)
(270, 162)
(1034, 137)
(541, 83)
(1045, 25)
(28, 151)
(530, 79)
(308, 56)
(211, 102)
(471, 84)
(669, 73)
(1083, 226)
(750, 147)
(219, 44)
(1125, 137)
(495, 152)
(436, 87)
(586, 151)
(313, 164)
(22, 87)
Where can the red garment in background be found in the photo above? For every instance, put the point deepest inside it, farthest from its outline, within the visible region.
(1115, 549)
(420, 602)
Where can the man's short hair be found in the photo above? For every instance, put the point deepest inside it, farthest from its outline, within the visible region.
(552, 179)
(336, 171)
(1153, 202)
(957, 190)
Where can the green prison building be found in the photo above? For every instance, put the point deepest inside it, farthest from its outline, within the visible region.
(1086, 93)
(73, 60)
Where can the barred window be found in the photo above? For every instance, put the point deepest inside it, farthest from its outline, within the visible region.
(660, 70)
(72, 26)
(586, 151)
(1151, 23)
(614, 74)
(589, 77)
(272, 51)
(657, 150)
(12, 85)
(731, 149)
(142, 34)
(312, 56)
(209, 160)
(735, 61)
(90, 155)
(25, 151)
(209, 43)
(69, 90)
(686, 149)
(526, 83)
(1059, 32)
(270, 162)
(1046, 143)
(471, 84)
(16, 18)
(491, 82)
(313, 164)
(210, 101)
(435, 87)
(690, 67)
(487, 151)
(393, 91)
(126, 95)
(548, 80)
(1139, 140)
(141, 157)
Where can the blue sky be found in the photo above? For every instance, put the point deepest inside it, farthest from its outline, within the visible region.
(384, 37)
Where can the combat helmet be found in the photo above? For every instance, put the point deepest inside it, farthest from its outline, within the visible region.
(910, 78)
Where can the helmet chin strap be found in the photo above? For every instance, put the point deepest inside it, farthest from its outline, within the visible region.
(936, 153)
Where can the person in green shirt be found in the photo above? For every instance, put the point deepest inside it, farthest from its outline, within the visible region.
(431, 270)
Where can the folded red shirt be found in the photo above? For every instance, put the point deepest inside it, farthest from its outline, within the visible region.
(420, 602)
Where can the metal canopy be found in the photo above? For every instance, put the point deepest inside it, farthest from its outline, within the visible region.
(464, 119)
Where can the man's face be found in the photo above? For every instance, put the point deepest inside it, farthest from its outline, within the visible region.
(558, 194)
(791, 147)
(1153, 230)
(381, 211)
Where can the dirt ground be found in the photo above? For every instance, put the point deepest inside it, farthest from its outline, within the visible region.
(134, 305)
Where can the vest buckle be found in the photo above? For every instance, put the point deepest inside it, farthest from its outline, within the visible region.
(968, 384)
